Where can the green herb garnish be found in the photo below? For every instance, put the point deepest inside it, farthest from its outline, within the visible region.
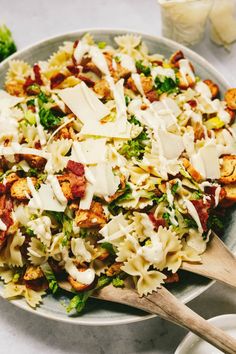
(7, 44)
(142, 68)
(168, 85)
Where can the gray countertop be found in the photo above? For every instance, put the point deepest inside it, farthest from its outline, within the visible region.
(21, 332)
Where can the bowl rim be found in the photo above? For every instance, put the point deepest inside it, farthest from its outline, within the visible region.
(191, 337)
(113, 32)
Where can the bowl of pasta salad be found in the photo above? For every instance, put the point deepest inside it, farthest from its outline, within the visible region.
(117, 161)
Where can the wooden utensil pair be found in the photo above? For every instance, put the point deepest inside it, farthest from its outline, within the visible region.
(218, 263)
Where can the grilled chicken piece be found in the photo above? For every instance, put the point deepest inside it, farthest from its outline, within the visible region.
(214, 88)
(95, 216)
(19, 190)
(35, 161)
(230, 98)
(228, 169)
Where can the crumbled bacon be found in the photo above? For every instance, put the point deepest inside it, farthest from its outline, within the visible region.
(6, 206)
(73, 69)
(88, 81)
(157, 222)
(202, 209)
(37, 74)
(78, 189)
(192, 103)
(75, 43)
(75, 167)
(152, 96)
(57, 80)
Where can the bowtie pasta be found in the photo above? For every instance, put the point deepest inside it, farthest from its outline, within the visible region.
(116, 164)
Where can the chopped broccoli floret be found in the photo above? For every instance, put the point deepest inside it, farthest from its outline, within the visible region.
(7, 44)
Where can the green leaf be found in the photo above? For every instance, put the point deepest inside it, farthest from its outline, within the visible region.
(52, 281)
(48, 119)
(33, 172)
(142, 68)
(108, 246)
(168, 85)
(134, 147)
(197, 195)
(113, 207)
(175, 188)
(29, 232)
(190, 223)
(103, 281)
(78, 302)
(134, 120)
(101, 45)
(59, 217)
(166, 216)
(83, 233)
(215, 222)
(7, 44)
(118, 283)
(127, 100)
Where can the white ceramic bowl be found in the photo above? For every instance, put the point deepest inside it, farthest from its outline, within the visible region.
(195, 345)
(190, 286)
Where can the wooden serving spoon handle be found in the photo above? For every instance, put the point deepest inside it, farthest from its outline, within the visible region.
(217, 263)
(164, 304)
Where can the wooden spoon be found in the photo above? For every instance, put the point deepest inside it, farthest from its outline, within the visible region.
(217, 263)
(164, 304)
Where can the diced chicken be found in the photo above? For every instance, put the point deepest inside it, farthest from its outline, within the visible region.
(191, 170)
(20, 190)
(228, 169)
(35, 161)
(72, 186)
(230, 190)
(214, 88)
(176, 57)
(147, 84)
(79, 287)
(230, 98)
(95, 216)
(102, 88)
(35, 279)
(183, 85)
(114, 269)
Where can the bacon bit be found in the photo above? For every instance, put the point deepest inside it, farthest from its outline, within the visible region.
(2, 188)
(172, 278)
(152, 96)
(37, 74)
(57, 80)
(232, 115)
(28, 87)
(176, 57)
(6, 207)
(75, 167)
(75, 43)
(192, 103)
(88, 81)
(158, 62)
(37, 145)
(157, 222)
(73, 69)
(203, 211)
(78, 190)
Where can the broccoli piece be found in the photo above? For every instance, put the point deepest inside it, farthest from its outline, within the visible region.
(7, 44)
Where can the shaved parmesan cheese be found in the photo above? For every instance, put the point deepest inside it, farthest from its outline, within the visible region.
(16, 148)
(90, 151)
(53, 181)
(193, 212)
(47, 200)
(81, 49)
(203, 89)
(211, 161)
(99, 60)
(171, 144)
(84, 103)
(36, 198)
(198, 164)
(138, 83)
(86, 201)
(127, 62)
(106, 184)
(118, 92)
(109, 130)
(186, 70)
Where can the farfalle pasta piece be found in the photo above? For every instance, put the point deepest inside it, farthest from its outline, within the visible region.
(148, 280)
(171, 250)
(41, 228)
(58, 150)
(116, 230)
(33, 298)
(143, 225)
(128, 44)
(6, 274)
(127, 249)
(11, 254)
(37, 253)
(62, 57)
(18, 71)
(196, 241)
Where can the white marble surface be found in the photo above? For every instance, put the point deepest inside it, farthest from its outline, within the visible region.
(23, 333)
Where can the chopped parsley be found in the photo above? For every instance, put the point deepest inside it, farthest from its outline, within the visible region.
(168, 85)
(118, 282)
(134, 120)
(7, 44)
(146, 70)
(134, 147)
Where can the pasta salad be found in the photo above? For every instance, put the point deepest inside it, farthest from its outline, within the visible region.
(114, 164)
